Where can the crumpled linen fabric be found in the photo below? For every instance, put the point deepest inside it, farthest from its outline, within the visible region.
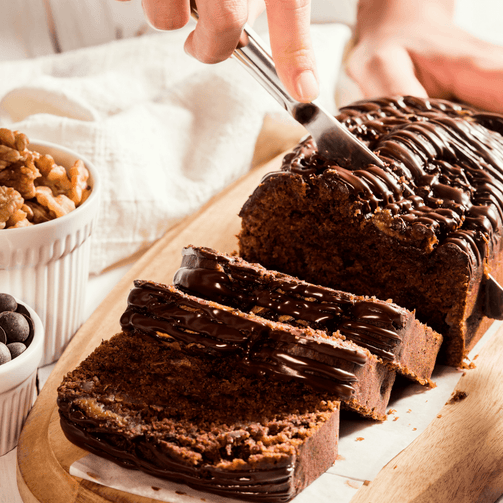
(165, 131)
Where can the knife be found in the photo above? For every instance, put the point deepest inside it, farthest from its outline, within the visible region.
(333, 141)
(494, 299)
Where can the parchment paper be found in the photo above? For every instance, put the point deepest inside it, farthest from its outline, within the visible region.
(364, 446)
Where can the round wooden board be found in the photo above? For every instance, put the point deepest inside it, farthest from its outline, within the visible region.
(460, 453)
(44, 454)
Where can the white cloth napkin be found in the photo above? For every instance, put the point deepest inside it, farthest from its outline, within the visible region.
(165, 131)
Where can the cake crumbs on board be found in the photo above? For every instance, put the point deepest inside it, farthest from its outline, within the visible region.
(457, 396)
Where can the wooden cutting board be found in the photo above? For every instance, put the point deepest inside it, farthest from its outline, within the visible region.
(460, 453)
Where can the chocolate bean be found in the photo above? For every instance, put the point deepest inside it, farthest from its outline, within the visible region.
(5, 355)
(16, 348)
(27, 342)
(7, 302)
(15, 326)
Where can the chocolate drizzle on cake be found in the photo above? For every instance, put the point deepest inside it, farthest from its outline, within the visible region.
(373, 325)
(198, 421)
(443, 173)
(273, 484)
(263, 346)
(387, 330)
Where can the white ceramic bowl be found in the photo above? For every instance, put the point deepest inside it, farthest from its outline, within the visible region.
(17, 386)
(47, 264)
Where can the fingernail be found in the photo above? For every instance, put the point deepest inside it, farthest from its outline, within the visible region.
(146, 14)
(307, 86)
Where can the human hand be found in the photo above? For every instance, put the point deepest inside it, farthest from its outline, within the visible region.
(220, 25)
(413, 47)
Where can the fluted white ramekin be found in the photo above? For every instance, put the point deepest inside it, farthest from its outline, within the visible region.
(17, 386)
(47, 264)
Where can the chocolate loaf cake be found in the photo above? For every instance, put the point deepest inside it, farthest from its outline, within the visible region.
(280, 351)
(424, 231)
(198, 421)
(388, 331)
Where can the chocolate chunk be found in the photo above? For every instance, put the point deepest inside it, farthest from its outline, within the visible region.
(15, 326)
(5, 355)
(7, 302)
(16, 348)
(27, 342)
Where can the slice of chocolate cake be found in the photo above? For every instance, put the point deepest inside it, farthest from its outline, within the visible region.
(198, 421)
(424, 231)
(388, 331)
(330, 364)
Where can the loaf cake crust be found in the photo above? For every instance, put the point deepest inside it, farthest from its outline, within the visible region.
(388, 331)
(198, 421)
(330, 364)
(424, 231)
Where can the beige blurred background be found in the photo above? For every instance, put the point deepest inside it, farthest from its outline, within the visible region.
(30, 28)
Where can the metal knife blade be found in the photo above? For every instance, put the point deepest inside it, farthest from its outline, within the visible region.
(494, 299)
(333, 140)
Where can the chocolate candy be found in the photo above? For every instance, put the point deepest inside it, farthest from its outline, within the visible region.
(16, 328)
(5, 355)
(16, 348)
(7, 302)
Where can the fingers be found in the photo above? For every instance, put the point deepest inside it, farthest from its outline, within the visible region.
(292, 51)
(221, 23)
(483, 90)
(476, 78)
(166, 15)
(386, 72)
(218, 29)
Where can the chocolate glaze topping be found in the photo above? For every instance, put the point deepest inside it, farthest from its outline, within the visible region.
(373, 325)
(271, 485)
(443, 175)
(167, 314)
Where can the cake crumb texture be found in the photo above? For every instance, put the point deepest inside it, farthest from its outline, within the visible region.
(422, 231)
(198, 420)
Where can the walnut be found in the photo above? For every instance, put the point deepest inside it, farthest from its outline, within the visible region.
(78, 179)
(10, 202)
(33, 187)
(57, 205)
